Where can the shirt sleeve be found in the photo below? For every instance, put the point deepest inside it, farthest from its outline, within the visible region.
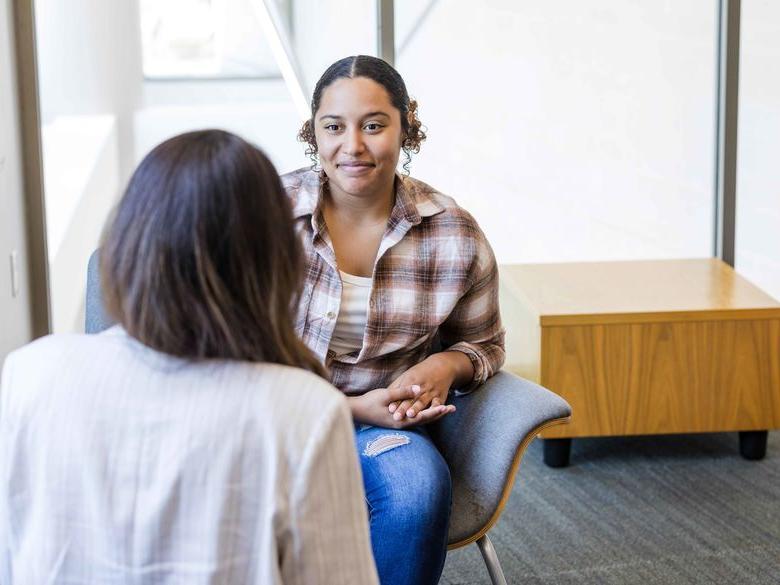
(474, 326)
(329, 534)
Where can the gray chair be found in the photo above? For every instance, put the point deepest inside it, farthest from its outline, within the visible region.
(482, 442)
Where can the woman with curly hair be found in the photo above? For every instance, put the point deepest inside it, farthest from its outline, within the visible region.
(401, 293)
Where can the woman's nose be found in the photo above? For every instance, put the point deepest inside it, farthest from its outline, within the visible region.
(353, 142)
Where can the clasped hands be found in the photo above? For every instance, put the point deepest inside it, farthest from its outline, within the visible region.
(416, 397)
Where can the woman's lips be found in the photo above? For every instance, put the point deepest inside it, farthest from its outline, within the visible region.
(356, 168)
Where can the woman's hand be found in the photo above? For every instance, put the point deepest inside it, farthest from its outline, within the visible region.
(434, 376)
(372, 407)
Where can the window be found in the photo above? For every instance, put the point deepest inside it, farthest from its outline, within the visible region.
(203, 39)
(572, 130)
(758, 195)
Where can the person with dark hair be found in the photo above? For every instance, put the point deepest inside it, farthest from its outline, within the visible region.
(401, 292)
(189, 443)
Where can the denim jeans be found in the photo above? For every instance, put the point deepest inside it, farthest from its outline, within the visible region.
(409, 495)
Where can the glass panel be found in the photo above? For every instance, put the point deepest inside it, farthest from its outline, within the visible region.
(216, 69)
(89, 72)
(204, 38)
(758, 174)
(571, 130)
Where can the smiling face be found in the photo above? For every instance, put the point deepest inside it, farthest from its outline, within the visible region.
(358, 133)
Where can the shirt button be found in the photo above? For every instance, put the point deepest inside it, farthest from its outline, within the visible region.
(331, 315)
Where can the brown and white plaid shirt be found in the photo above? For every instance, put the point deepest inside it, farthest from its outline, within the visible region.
(435, 287)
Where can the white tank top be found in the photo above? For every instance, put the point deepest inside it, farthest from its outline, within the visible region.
(353, 314)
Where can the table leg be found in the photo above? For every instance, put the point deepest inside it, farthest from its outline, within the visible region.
(557, 452)
(752, 444)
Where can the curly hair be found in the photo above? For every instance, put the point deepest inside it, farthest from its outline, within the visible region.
(382, 73)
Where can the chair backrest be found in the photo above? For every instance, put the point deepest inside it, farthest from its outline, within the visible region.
(483, 442)
(95, 319)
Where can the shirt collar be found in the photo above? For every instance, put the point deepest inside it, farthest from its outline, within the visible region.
(308, 194)
(411, 202)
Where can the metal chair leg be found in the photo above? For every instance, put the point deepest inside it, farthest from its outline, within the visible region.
(491, 560)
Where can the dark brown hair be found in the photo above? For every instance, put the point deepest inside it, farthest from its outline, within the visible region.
(201, 260)
(382, 73)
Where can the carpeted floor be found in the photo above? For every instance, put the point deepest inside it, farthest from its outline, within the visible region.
(643, 510)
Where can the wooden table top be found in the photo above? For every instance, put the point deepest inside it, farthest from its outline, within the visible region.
(638, 291)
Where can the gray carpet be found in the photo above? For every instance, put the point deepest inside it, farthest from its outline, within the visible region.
(642, 510)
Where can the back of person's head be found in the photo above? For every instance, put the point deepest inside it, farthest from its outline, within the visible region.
(201, 260)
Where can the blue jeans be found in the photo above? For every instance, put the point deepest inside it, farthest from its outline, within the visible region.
(409, 495)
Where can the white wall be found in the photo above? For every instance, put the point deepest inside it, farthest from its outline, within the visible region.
(316, 43)
(15, 311)
(572, 130)
(758, 173)
(89, 62)
(272, 126)
(90, 80)
(81, 154)
(260, 111)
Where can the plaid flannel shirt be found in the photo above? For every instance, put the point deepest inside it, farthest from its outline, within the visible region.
(435, 288)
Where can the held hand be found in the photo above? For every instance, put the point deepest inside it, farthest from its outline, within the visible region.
(433, 377)
(372, 408)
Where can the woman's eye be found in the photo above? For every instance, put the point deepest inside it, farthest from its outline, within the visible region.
(372, 126)
(332, 127)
